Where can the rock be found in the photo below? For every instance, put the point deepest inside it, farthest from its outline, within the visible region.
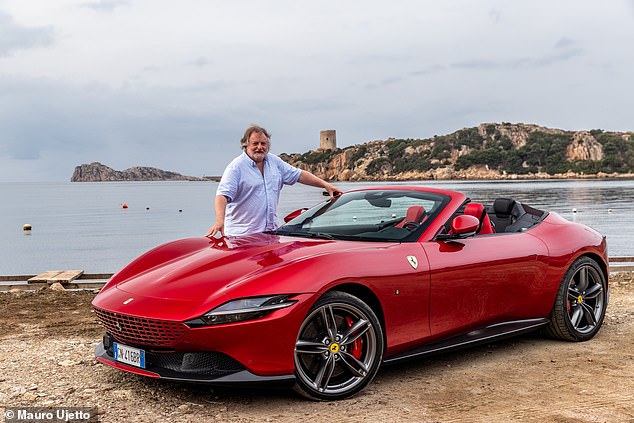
(29, 396)
(584, 147)
(57, 287)
(97, 172)
(123, 394)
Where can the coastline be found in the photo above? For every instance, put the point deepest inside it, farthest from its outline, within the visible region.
(437, 176)
(446, 174)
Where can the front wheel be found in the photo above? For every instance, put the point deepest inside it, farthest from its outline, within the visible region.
(339, 348)
(581, 301)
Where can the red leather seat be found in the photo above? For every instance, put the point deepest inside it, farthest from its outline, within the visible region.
(413, 214)
(478, 211)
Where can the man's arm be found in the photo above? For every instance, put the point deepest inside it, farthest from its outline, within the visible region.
(220, 204)
(308, 178)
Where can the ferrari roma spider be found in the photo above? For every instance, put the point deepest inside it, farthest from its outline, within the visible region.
(370, 277)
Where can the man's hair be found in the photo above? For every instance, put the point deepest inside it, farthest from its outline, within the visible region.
(247, 134)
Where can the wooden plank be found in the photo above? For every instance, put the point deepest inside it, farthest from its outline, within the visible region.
(85, 285)
(66, 276)
(614, 269)
(44, 277)
(96, 276)
(15, 278)
(621, 259)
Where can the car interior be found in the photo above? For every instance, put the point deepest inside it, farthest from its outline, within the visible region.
(505, 216)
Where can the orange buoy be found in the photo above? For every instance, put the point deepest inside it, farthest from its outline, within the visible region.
(124, 205)
(27, 227)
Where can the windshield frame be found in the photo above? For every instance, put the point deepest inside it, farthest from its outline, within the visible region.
(382, 231)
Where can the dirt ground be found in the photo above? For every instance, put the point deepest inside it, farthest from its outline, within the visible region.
(47, 340)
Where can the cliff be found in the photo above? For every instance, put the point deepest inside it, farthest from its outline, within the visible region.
(488, 151)
(97, 172)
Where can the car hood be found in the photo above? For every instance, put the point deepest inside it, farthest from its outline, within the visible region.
(212, 269)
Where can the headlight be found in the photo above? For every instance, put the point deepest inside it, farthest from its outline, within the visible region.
(242, 309)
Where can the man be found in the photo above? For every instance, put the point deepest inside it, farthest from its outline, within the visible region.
(249, 191)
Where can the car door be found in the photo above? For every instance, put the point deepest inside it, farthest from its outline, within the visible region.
(484, 280)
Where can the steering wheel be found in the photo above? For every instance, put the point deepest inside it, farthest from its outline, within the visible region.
(411, 226)
(392, 222)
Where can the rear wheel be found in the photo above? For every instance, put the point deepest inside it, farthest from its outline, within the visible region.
(581, 302)
(339, 348)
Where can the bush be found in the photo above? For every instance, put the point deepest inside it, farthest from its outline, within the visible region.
(377, 166)
(359, 153)
(396, 149)
(493, 157)
(322, 156)
(469, 137)
(541, 148)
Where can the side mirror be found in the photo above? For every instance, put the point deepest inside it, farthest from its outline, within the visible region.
(292, 215)
(462, 226)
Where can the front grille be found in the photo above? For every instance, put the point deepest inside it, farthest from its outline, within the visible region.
(189, 365)
(141, 331)
(200, 363)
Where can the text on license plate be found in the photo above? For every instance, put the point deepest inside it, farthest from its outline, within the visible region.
(129, 355)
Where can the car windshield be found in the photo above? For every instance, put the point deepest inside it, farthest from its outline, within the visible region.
(369, 215)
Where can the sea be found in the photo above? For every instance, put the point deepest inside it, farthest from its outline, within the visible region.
(85, 226)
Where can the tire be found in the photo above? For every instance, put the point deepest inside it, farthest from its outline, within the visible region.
(581, 302)
(339, 348)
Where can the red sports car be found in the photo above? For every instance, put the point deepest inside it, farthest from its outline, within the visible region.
(371, 276)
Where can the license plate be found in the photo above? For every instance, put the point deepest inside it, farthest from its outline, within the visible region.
(129, 355)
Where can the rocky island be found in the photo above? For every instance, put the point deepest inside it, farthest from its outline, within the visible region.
(97, 172)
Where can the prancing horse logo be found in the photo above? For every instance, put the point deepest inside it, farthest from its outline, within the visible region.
(412, 261)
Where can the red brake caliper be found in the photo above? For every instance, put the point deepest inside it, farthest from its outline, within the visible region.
(356, 349)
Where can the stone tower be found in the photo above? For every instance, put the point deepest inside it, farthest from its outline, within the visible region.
(328, 139)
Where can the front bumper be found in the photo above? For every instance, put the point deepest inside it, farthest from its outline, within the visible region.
(197, 367)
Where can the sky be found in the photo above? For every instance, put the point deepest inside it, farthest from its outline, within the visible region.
(174, 84)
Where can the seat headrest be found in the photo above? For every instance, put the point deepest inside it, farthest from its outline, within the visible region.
(414, 214)
(475, 210)
(503, 206)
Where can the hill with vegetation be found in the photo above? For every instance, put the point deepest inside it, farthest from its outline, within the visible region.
(489, 151)
(97, 172)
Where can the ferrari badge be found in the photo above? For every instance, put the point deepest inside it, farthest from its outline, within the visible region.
(412, 261)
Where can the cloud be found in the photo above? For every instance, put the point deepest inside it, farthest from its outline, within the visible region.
(106, 6)
(376, 59)
(564, 42)
(17, 37)
(153, 126)
(200, 62)
(565, 55)
(495, 15)
(176, 91)
(429, 70)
